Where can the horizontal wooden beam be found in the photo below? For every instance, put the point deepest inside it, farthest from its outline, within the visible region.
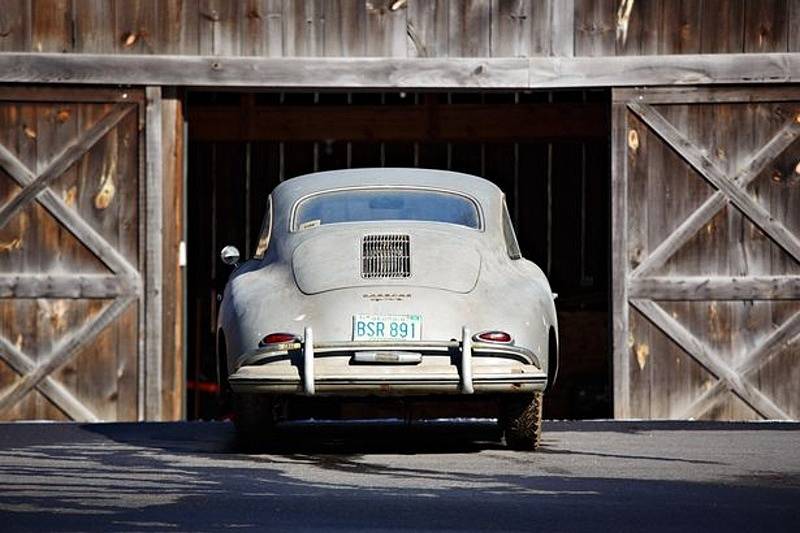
(384, 73)
(716, 288)
(67, 286)
(432, 123)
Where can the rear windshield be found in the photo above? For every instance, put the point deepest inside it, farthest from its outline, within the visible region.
(370, 205)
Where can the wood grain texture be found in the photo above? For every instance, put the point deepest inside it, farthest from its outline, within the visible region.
(79, 265)
(154, 216)
(720, 287)
(401, 73)
(619, 262)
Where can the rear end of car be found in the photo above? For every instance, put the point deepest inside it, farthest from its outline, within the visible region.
(399, 293)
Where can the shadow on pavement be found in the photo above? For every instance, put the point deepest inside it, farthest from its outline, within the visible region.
(189, 477)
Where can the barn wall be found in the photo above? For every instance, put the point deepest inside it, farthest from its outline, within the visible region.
(393, 28)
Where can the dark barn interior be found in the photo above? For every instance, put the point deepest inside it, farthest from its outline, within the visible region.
(549, 152)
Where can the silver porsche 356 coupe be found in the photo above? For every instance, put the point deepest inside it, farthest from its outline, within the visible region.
(387, 284)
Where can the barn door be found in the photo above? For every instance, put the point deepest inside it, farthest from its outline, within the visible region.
(706, 238)
(71, 253)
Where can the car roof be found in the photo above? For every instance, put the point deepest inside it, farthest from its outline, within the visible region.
(293, 189)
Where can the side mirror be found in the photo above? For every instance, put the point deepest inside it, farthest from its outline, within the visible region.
(230, 255)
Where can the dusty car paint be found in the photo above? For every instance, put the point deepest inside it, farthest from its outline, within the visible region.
(463, 281)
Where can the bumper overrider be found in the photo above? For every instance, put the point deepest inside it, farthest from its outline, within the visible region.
(388, 367)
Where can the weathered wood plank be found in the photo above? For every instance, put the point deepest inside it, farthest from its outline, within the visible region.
(179, 24)
(66, 286)
(722, 28)
(77, 148)
(708, 359)
(766, 28)
(469, 29)
(63, 351)
(154, 265)
(511, 28)
(386, 29)
(136, 28)
(507, 73)
(94, 27)
(427, 28)
(707, 95)
(68, 217)
(776, 340)
(562, 28)
(692, 224)
(619, 262)
(345, 28)
(173, 270)
(716, 288)
(52, 389)
(51, 26)
(595, 28)
(735, 193)
(15, 31)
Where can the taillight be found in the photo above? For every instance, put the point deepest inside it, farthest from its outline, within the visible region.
(278, 338)
(500, 337)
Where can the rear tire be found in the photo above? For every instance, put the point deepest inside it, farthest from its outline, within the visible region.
(521, 421)
(254, 420)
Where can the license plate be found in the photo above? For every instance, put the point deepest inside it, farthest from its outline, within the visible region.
(387, 327)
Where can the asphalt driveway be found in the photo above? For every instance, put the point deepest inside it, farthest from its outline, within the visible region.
(389, 477)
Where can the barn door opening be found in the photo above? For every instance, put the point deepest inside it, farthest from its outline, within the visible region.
(549, 152)
(706, 266)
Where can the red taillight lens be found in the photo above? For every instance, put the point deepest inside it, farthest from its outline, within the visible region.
(278, 338)
(493, 336)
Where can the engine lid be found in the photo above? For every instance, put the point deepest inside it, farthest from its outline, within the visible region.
(338, 260)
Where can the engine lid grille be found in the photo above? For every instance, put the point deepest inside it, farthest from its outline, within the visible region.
(385, 256)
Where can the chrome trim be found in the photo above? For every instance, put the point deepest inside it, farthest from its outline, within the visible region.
(466, 362)
(333, 348)
(308, 361)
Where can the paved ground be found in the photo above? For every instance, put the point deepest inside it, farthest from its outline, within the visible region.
(590, 475)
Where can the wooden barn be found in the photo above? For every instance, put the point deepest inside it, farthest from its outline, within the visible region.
(649, 150)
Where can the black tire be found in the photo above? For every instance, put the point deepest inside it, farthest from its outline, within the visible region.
(521, 421)
(254, 420)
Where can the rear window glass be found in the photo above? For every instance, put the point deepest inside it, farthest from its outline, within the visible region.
(371, 205)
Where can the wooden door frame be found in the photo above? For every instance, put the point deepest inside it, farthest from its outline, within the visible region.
(639, 289)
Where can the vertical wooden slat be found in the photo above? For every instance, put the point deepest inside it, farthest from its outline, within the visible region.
(469, 29)
(511, 28)
(619, 261)
(766, 28)
(722, 27)
(172, 205)
(51, 25)
(794, 26)
(345, 28)
(137, 27)
(386, 29)
(681, 27)
(595, 27)
(261, 28)
(427, 28)
(94, 27)
(14, 26)
(303, 32)
(219, 29)
(562, 28)
(178, 22)
(153, 210)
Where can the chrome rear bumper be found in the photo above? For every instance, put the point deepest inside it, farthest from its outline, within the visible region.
(310, 368)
